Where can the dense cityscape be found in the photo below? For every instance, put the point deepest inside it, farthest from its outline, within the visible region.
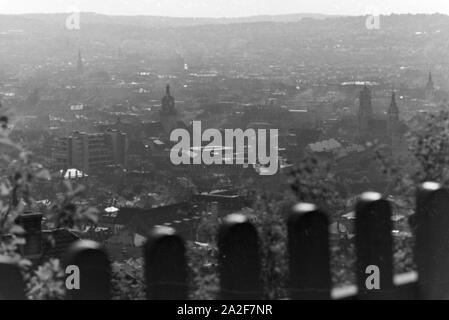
(96, 107)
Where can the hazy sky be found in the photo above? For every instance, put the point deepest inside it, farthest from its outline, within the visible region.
(225, 8)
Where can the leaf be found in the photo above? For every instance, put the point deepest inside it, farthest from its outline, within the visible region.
(16, 229)
(5, 259)
(91, 214)
(20, 241)
(4, 190)
(43, 174)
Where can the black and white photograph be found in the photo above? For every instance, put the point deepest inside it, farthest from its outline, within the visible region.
(226, 155)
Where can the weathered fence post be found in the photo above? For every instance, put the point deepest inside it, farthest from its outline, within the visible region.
(12, 286)
(374, 246)
(308, 248)
(94, 271)
(165, 265)
(431, 224)
(239, 259)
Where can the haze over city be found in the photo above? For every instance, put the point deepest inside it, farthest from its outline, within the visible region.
(224, 8)
(224, 150)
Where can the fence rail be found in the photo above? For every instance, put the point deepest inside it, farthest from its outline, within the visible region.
(166, 266)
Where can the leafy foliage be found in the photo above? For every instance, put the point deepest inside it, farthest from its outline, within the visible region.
(127, 284)
(429, 145)
(203, 259)
(269, 216)
(312, 181)
(17, 174)
(15, 179)
(65, 213)
(47, 282)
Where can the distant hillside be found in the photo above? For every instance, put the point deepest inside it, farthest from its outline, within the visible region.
(290, 41)
(149, 21)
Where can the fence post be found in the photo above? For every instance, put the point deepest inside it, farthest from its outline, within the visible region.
(94, 271)
(165, 265)
(431, 224)
(374, 246)
(12, 286)
(239, 259)
(308, 248)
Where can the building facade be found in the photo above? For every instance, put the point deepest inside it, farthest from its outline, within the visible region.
(90, 151)
(393, 123)
(365, 113)
(389, 130)
(168, 114)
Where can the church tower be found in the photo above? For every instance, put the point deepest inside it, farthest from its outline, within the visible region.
(365, 112)
(430, 89)
(392, 115)
(168, 113)
(80, 65)
(393, 123)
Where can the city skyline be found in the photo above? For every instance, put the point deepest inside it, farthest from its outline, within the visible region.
(150, 157)
(220, 8)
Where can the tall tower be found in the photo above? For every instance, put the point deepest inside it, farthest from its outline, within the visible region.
(393, 123)
(430, 89)
(365, 113)
(392, 115)
(168, 113)
(80, 65)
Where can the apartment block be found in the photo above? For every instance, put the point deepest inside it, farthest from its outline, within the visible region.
(90, 152)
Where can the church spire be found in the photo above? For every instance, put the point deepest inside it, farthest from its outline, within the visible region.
(393, 124)
(393, 105)
(167, 90)
(430, 90)
(430, 81)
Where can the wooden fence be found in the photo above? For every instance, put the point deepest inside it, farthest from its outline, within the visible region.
(309, 259)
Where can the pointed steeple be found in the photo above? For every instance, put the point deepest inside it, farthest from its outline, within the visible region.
(429, 94)
(393, 124)
(430, 81)
(167, 90)
(393, 105)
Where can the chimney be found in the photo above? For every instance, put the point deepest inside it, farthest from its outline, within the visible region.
(214, 208)
(31, 223)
